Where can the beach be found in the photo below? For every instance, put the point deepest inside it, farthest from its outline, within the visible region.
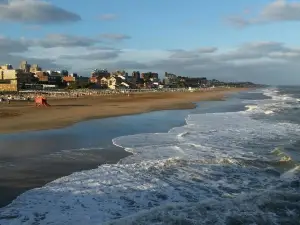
(25, 158)
(24, 116)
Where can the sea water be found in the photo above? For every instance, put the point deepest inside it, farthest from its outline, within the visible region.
(226, 166)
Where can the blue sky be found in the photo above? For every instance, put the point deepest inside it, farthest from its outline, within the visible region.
(247, 35)
(167, 24)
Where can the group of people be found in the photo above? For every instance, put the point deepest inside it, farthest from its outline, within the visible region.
(6, 98)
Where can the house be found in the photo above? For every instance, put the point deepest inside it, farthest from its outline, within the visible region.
(104, 82)
(111, 83)
(94, 80)
(115, 82)
(68, 80)
(42, 76)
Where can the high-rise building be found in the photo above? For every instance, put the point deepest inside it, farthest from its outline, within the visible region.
(34, 68)
(136, 75)
(25, 66)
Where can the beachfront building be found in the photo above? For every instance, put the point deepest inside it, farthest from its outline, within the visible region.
(24, 66)
(42, 76)
(96, 78)
(150, 79)
(34, 68)
(193, 81)
(54, 77)
(74, 81)
(104, 82)
(13, 79)
(117, 82)
(112, 83)
(69, 79)
(170, 80)
(136, 75)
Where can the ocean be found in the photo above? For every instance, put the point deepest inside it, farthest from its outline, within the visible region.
(232, 162)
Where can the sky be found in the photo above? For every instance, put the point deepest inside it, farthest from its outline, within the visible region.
(237, 40)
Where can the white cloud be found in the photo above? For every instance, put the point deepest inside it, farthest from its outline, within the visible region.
(35, 12)
(115, 37)
(61, 40)
(264, 62)
(276, 11)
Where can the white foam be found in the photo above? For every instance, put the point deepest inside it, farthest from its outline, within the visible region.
(251, 107)
(276, 103)
(268, 112)
(292, 174)
(216, 160)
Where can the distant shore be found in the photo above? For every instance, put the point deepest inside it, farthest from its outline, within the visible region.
(24, 116)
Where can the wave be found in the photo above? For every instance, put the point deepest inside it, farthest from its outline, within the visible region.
(258, 208)
(216, 169)
(275, 104)
(251, 107)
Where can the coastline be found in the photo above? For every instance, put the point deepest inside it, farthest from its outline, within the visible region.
(24, 116)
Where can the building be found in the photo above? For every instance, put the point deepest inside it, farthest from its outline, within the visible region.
(6, 67)
(149, 76)
(112, 83)
(104, 82)
(193, 81)
(136, 75)
(13, 79)
(42, 76)
(69, 79)
(34, 68)
(25, 67)
(170, 79)
(97, 75)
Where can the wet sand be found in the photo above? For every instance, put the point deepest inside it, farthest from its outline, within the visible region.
(22, 175)
(24, 116)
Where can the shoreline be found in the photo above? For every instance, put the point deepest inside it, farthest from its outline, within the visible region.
(36, 174)
(20, 117)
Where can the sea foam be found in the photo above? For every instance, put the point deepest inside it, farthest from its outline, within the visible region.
(217, 169)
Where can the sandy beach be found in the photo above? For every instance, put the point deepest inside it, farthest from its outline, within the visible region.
(24, 116)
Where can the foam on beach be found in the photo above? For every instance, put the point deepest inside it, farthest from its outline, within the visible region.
(216, 169)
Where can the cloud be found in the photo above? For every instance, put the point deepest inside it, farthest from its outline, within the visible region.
(96, 55)
(11, 52)
(62, 40)
(115, 37)
(35, 12)
(180, 53)
(207, 50)
(8, 45)
(262, 62)
(108, 17)
(276, 11)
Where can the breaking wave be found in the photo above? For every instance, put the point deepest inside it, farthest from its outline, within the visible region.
(219, 168)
